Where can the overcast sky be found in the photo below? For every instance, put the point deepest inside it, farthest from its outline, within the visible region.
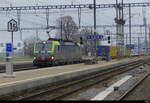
(37, 18)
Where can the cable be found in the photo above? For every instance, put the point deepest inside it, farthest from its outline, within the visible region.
(31, 22)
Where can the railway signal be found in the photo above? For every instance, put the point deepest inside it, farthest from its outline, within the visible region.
(81, 40)
(108, 39)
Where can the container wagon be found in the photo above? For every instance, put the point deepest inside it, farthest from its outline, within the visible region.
(110, 52)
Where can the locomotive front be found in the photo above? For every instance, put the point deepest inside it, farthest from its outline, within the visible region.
(43, 53)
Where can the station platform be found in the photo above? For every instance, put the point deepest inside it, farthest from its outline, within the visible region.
(35, 78)
(17, 62)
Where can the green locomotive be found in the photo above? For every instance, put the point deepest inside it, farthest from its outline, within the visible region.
(55, 52)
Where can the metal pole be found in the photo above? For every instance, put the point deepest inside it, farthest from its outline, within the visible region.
(12, 41)
(19, 19)
(94, 2)
(119, 32)
(138, 45)
(94, 16)
(122, 31)
(79, 17)
(126, 39)
(47, 18)
(145, 24)
(149, 40)
(37, 35)
(61, 29)
(145, 34)
(118, 27)
(117, 23)
(130, 23)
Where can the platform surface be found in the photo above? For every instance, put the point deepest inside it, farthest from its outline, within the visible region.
(17, 62)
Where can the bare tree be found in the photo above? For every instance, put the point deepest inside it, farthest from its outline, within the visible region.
(86, 31)
(29, 45)
(87, 44)
(67, 27)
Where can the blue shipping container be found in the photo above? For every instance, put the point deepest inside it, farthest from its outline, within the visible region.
(103, 50)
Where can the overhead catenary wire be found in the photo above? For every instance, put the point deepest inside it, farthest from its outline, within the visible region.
(72, 6)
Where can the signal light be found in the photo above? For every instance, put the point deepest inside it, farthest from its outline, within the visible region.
(81, 40)
(108, 39)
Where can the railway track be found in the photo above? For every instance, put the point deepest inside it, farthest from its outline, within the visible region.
(23, 67)
(61, 91)
(20, 67)
(133, 87)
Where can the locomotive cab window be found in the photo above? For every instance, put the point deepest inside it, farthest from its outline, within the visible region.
(39, 46)
(48, 46)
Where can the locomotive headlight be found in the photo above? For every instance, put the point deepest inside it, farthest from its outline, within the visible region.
(52, 57)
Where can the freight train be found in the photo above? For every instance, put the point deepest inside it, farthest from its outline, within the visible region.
(56, 52)
(111, 52)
